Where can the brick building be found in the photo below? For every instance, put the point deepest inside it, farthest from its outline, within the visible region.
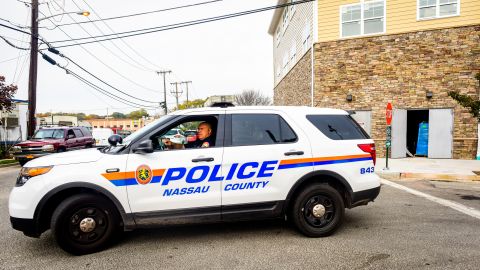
(358, 55)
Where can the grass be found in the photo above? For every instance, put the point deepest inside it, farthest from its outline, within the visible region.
(7, 161)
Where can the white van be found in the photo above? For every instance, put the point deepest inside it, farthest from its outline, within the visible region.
(101, 136)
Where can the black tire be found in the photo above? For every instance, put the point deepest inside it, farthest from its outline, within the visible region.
(60, 150)
(325, 198)
(68, 217)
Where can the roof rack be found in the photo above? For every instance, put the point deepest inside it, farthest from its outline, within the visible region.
(222, 104)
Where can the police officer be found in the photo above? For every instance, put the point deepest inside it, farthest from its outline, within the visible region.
(204, 138)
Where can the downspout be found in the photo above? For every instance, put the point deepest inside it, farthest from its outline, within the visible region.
(312, 50)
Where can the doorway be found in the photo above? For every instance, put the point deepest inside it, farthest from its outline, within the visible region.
(414, 119)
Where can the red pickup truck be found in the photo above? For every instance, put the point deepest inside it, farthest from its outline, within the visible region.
(53, 140)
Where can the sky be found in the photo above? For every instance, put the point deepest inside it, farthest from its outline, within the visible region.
(220, 58)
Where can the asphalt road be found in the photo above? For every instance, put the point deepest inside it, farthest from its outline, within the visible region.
(398, 231)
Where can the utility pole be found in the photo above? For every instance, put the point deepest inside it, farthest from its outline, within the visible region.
(177, 93)
(186, 84)
(164, 88)
(32, 76)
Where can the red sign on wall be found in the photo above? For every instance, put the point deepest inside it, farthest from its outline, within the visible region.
(389, 113)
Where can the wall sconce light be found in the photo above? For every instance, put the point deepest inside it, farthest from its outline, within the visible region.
(349, 97)
(429, 95)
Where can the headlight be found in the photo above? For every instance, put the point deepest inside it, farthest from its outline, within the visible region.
(27, 173)
(48, 148)
(16, 149)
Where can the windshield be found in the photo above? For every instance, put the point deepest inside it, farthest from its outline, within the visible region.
(137, 134)
(48, 134)
(172, 132)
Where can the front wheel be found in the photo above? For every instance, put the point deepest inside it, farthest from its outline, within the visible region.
(318, 210)
(85, 224)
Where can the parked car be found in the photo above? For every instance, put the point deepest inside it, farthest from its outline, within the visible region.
(101, 136)
(124, 133)
(176, 136)
(191, 135)
(50, 140)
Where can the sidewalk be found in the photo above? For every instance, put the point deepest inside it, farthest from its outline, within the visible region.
(431, 169)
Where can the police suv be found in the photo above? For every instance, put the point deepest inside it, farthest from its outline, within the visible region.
(305, 164)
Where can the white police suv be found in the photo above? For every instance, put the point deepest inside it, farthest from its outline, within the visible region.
(306, 164)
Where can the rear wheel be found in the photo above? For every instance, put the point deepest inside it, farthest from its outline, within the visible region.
(318, 210)
(85, 224)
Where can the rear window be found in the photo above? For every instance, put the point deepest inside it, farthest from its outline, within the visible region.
(260, 129)
(338, 127)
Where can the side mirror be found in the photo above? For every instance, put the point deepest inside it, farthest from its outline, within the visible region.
(144, 147)
(115, 139)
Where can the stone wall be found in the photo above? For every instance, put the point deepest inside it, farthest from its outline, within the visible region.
(295, 87)
(401, 69)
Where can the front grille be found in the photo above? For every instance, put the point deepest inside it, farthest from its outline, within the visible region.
(31, 149)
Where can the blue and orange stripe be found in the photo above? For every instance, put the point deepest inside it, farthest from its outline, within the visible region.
(306, 162)
(128, 178)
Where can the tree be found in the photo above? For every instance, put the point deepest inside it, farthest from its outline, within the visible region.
(137, 114)
(93, 116)
(6, 95)
(467, 101)
(252, 98)
(118, 115)
(197, 103)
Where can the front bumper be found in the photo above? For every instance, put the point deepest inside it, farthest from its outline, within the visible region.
(364, 197)
(27, 226)
(25, 156)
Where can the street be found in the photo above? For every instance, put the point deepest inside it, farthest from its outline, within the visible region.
(398, 231)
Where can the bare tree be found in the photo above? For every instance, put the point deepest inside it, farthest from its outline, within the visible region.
(252, 98)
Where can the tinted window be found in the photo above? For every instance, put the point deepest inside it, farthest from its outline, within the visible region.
(260, 129)
(338, 127)
(78, 133)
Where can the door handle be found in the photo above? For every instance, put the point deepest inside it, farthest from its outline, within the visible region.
(208, 159)
(112, 170)
(294, 153)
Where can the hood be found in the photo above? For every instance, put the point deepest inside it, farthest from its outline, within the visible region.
(39, 142)
(72, 157)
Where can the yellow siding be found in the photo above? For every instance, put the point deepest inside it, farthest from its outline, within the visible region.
(401, 16)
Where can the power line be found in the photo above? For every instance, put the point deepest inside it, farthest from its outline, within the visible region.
(14, 58)
(104, 82)
(123, 41)
(99, 60)
(173, 26)
(144, 13)
(13, 45)
(110, 51)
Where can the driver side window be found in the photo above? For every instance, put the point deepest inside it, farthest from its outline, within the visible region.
(192, 132)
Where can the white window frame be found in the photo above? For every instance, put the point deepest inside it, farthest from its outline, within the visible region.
(293, 8)
(285, 19)
(277, 36)
(306, 38)
(437, 11)
(362, 19)
(293, 54)
(285, 60)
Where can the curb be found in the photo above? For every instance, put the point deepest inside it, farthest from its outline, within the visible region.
(428, 176)
(9, 165)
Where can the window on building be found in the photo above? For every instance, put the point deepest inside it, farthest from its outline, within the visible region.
(285, 60)
(285, 19)
(306, 38)
(362, 19)
(277, 36)
(293, 54)
(431, 9)
(128, 126)
(94, 126)
(293, 8)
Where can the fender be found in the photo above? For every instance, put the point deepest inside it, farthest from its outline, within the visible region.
(128, 221)
(315, 174)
